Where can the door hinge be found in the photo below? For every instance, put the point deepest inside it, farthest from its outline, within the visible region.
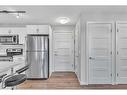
(111, 52)
(117, 52)
(117, 30)
(72, 65)
(111, 30)
(111, 74)
(117, 74)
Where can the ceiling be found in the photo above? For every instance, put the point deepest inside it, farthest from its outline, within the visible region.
(49, 14)
(40, 14)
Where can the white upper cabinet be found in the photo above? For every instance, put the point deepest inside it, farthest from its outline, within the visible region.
(37, 29)
(4, 31)
(21, 32)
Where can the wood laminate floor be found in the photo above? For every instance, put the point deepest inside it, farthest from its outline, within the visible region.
(63, 80)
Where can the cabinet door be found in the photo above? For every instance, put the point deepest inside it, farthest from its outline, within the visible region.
(43, 29)
(4, 31)
(121, 53)
(32, 29)
(37, 29)
(21, 31)
(100, 57)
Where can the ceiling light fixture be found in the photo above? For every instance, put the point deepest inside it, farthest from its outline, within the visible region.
(5, 11)
(13, 12)
(63, 20)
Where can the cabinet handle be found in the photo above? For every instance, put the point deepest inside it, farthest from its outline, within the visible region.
(55, 54)
(37, 30)
(117, 74)
(9, 31)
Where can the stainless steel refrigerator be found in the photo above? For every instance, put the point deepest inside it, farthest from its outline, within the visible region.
(38, 56)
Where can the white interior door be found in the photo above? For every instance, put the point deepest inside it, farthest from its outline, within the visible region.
(100, 53)
(63, 50)
(121, 53)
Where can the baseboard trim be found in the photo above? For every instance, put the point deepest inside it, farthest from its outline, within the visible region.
(83, 83)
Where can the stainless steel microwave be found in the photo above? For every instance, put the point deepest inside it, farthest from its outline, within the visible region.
(9, 39)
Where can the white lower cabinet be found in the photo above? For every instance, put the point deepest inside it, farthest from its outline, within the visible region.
(106, 52)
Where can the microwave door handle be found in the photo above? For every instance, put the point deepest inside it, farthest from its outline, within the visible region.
(14, 39)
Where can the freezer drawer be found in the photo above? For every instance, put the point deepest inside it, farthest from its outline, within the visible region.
(39, 65)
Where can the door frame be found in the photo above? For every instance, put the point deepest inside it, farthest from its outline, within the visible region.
(77, 29)
(53, 48)
(112, 48)
(117, 56)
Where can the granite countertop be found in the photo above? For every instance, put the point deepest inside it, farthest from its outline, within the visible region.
(4, 66)
(17, 60)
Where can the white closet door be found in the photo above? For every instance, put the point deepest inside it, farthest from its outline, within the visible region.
(100, 53)
(121, 53)
(63, 50)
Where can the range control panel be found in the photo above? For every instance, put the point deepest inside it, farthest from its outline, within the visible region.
(14, 51)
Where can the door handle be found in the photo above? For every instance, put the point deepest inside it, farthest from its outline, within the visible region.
(91, 58)
(55, 54)
(55, 51)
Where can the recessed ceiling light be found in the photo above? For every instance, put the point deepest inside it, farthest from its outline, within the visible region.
(63, 20)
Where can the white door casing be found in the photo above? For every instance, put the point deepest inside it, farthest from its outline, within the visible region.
(121, 52)
(100, 53)
(76, 53)
(63, 50)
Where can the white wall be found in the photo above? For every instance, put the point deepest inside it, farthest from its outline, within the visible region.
(82, 52)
